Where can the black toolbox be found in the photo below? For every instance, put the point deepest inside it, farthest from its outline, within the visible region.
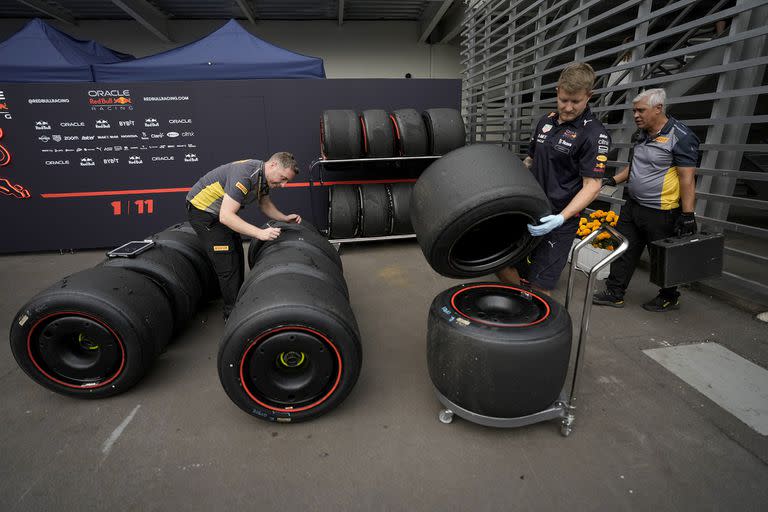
(684, 259)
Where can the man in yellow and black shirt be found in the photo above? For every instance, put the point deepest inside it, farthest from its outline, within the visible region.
(213, 204)
(662, 194)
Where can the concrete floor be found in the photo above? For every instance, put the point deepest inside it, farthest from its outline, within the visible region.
(643, 439)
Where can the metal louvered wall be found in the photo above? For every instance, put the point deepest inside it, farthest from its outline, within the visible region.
(710, 56)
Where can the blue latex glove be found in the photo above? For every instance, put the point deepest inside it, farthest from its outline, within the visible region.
(548, 223)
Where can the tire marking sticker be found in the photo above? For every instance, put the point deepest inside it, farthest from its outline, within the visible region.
(23, 320)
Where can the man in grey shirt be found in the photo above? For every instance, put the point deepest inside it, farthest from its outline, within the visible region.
(662, 195)
(213, 204)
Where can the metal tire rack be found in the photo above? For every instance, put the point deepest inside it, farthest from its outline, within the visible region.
(320, 163)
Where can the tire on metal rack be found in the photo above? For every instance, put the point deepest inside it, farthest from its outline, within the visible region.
(497, 350)
(291, 349)
(301, 236)
(343, 211)
(375, 211)
(401, 208)
(410, 132)
(378, 134)
(174, 273)
(94, 333)
(182, 238)
(306, 260)
(340, 135)
(445, 130)
(470, 209)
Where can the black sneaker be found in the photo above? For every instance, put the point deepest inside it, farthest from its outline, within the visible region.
(659, 304)
(606, 298)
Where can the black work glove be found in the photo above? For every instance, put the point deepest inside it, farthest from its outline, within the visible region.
(611, 182)
(685, 224)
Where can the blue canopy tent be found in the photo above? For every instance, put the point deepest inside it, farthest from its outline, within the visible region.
(42, 53)
(230, 53)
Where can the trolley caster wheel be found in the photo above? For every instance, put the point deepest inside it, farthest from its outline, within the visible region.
(445, 416)
(566, 426)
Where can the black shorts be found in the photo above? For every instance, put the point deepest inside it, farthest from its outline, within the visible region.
(544, 265)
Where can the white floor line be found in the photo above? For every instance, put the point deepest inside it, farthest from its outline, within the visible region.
(107, 446)
(735, 384)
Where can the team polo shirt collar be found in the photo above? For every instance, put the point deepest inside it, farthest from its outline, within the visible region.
(664, 130)
(578, 122)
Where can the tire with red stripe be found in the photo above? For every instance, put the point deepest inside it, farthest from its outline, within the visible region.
(497, 350)
(411, 132)
(401, 208)
(173, 273)
(291, 349)
(376, 210)
(303, 236)
(94, 333)
(445, 130)
(183, 239)
(340, 134)
(378, 134)
(470, 209)
(343, 211)
(297, 260)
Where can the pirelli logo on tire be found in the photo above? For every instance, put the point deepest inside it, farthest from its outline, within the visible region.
(242, 187)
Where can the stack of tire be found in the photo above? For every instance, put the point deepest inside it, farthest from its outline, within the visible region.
(97, 332)
(493, 349)
(291, 347)
(369, 210)
(345, 134)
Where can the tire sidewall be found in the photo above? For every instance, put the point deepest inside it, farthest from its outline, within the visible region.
(238, 338)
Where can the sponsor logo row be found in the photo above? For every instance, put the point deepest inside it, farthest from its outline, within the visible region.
(56, 137)
(132, 160)
(149, 122)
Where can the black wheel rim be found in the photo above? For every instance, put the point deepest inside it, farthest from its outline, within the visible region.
(491, 243)
(500, 305)
(76, 350)
(290, 369)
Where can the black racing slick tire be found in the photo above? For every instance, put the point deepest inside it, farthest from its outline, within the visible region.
(302, 236)
(295, 260)
(376, 211)
(470, 209)
(174, 273)
(340, 135)
(445, 130)
(410, 132)
(378, 134)
(497, 350)
(401, 208)
(93, 334)
(343, 211)
(183, 239)
(291, 350)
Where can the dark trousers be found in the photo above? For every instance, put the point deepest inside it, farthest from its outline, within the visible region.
(641, 225)
(225, 250)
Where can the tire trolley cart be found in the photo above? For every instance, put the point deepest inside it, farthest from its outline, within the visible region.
(564, 407)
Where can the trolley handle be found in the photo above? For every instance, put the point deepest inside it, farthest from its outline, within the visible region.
(587, 309)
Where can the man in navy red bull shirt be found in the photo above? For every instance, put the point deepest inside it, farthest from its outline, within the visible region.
(567, 156)
(662, 195)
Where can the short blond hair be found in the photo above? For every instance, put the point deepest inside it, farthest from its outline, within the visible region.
(576, 77)
(286, 161)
